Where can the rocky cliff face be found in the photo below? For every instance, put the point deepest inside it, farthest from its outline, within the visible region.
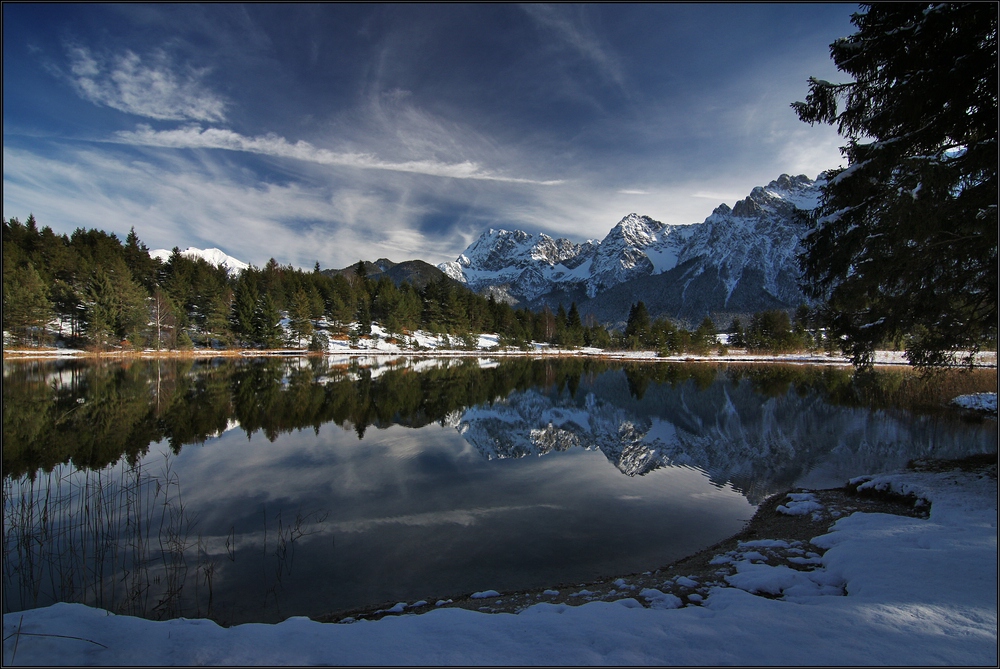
(739, 260)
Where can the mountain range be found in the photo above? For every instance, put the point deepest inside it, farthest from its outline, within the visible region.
(416, 272)
(740, 260)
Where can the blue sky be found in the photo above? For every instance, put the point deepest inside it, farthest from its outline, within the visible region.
(328, 132)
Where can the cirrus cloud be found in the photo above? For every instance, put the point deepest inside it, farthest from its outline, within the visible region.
(126, 83)
(195, 137)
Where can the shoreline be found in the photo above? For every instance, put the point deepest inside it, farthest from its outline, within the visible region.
(690, 578)
(986, 360)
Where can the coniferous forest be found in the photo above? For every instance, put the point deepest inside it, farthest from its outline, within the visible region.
(90, 290)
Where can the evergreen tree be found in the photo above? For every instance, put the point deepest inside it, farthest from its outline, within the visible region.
(637, 325)
(99, 309)
(26, 307)
(299, 321)
(907, 239)
(139, 262)
(242, 319)
(772, 331)
(704, 337)
(572, 330)
(363, 315)
(217, 319)
(267, 322)
(115, 305)
(736, 334)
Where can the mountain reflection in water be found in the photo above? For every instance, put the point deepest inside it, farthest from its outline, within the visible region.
(181, 487)
(760, 428)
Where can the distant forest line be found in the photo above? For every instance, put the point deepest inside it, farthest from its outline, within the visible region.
(91, 290)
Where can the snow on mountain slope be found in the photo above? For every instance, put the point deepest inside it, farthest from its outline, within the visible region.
(637, 246)
(754, 242)
(528, 265)
(760, 233)
(212, 256)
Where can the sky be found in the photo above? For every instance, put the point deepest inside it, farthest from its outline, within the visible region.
(334, 132)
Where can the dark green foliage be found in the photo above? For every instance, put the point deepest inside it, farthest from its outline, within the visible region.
(737, 336)
(906, 246)
(114, 305)
(703, 339)
(266, 322)
(772, 331)
(244, 305)
(106, 292)
(364, 317)
(26, 306)
(300, 321)
(637, 326)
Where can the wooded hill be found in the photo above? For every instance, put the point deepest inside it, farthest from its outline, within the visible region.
(91, 290)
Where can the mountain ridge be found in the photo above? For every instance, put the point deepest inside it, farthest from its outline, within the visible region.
(737, 261)
(212, 256)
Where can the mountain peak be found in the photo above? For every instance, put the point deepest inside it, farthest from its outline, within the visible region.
(752, 243)
(212, 256)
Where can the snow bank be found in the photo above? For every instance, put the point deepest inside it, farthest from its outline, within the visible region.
(985, 402)
(889, 590)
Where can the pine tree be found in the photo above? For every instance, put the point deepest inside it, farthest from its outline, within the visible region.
(907, 239)
(242, 319)
(99, 310)
(736, 335)
(637, 325)
(139, 262)
(574, 327)
(26, 307)
(364, 317)
(267, 322)
(299, 321)
(704, 336)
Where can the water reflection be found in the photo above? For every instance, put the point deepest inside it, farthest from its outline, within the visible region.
(258, 489)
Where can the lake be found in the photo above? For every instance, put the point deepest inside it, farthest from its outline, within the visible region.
(258, 489)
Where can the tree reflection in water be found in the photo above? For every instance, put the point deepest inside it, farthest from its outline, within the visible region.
(87, 518)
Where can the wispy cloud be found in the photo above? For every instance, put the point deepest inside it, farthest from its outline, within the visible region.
(150, 89)
(567, 22)
(182, 202)
(633, 191)
(195, 137)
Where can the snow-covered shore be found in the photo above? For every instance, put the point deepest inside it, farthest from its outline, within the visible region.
(889, 590)
(423, 344)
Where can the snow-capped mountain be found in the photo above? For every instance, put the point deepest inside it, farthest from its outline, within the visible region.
(637, 246)
(212, 256)
(526, 265)
(740, 259)
(761, 233)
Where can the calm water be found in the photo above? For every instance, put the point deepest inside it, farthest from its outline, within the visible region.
(260, 489)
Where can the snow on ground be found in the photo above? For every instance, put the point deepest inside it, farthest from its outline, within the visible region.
(420, 342)
(985, 402)
(890, 590)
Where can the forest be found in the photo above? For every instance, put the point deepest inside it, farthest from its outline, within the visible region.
(90, 290)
